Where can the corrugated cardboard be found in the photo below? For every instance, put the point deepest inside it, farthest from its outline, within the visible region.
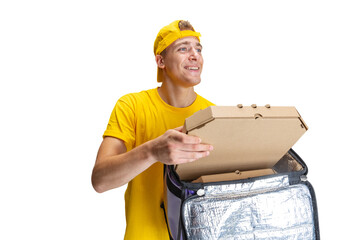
(234, 175)
(244, 138)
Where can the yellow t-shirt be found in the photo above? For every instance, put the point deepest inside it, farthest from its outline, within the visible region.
(136, 119)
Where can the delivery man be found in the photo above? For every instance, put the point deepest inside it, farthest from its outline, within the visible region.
(143, 132)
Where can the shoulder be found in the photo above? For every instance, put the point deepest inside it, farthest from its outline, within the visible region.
(204, 101)
(132, 99)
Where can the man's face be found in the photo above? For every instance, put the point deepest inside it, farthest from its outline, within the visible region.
(183, 61)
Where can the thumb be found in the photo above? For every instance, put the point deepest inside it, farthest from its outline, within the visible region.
(180, 129)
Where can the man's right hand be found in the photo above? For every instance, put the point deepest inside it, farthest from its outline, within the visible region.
(115, 166)
(176, 147)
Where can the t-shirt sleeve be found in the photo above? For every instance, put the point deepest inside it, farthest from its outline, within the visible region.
(122, 122)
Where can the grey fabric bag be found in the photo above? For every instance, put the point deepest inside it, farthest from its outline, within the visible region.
(279, 206)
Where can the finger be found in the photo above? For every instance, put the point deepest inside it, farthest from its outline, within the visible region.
(183, 160)
(191, 155)
(188, 139)
(184, 138)
(194, 147)
(180, 129)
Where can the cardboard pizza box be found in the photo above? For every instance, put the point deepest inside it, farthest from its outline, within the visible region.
(245, 138)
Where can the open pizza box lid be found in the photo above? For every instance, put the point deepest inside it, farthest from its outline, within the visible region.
(244, 138)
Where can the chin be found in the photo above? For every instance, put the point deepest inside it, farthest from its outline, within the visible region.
(193, 82)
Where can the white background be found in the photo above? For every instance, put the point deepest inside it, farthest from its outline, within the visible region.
(63, 65)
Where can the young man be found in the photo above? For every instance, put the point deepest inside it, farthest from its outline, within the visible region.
(143, 132)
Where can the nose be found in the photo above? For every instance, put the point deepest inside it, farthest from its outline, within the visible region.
(194, 54)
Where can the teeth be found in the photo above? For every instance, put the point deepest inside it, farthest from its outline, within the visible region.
(193, 68)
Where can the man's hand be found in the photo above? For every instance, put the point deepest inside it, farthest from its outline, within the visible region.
(115, 166)
(176, 147)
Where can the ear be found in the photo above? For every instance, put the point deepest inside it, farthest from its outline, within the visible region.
(160, 61)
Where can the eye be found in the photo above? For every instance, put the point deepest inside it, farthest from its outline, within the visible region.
(199, 50)
(182, 49)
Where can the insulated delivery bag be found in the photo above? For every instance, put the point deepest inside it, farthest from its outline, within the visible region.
(251, 186)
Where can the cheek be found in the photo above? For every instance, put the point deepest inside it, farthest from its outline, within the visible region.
(201, 60)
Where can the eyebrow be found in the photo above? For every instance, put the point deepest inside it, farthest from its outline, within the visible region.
(187, 43)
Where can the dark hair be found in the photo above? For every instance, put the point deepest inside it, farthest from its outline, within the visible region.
(185, 25)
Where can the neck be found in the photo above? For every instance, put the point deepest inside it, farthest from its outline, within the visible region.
(177, 96)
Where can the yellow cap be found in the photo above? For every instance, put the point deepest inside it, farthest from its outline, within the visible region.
(169, 34)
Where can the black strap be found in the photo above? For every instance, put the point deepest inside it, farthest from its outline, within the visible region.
(167, 225)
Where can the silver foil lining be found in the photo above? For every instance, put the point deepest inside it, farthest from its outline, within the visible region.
(264, 209)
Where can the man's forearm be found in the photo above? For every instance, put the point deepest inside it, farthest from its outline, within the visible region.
(115, 167)
(116, 170)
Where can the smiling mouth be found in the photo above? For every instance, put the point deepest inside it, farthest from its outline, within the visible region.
(192, 68)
